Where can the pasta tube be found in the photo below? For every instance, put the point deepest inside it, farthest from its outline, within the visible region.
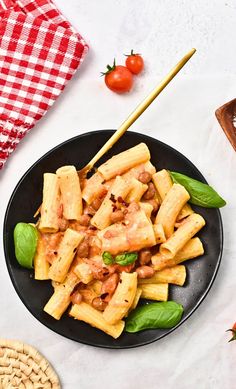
(163, 184)
(66, 252)
(120, 188)
(93, 188)
(147, 208)
(159, 233)
(192, 249)
(135, 302)
(185, 211)
(41, 265)
(174, 275)
(124, 161)
(95, 318)
(60, 299)
(136, 299)
(181, 236)
(51, 201)
(122, 299)
(170, 208)
(157, 292)
(137, 190)
(83, 272)
(132, 173)
(70, 192)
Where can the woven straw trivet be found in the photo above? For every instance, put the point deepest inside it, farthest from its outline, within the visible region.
(23, 367)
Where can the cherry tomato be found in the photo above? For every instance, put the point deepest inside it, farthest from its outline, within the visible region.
(118, 78)
(134, 62)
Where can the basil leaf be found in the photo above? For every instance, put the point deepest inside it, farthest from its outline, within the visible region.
(126, 258)
(200, 194)
(25, 240)
(155, 315)
(107, 258)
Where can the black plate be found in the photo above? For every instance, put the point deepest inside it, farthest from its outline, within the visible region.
(27, 197)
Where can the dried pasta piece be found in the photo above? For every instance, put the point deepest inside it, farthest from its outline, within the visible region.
(49, 221)
(65, 255)
(137, 190)
(158, 292)
(182, 235)
(102, 217)
(136, 299)
(192, 249)
(83, 272)
(122, 299)
(170, 208)
(41, 265)
(60, 300)
(124, 161)
(95, 318)
(185, 211)
(69, 184)
(173, 275)
(159, 233)
(147, 208)
(93, 188)
(163, 184)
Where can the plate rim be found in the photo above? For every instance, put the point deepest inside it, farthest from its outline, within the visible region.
(116, 347)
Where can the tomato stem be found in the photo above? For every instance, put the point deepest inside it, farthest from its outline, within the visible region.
(234, 334)
(109, 68)
(131, 53)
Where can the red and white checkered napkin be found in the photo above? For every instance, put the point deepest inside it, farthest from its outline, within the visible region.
(39, 53)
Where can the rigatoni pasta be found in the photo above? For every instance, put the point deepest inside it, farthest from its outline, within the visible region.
(102, 217)
(124, 161)
(122, 299)
(41, 265)
(49, 221)
(83, 272)
(182, 235)
(60, 300)
(95, 318)
(159, 233)
(65, 255)
(173, 275)
(147, 208)
(137, 190)
(93, 188)
(163, 184)
(69, 184)
(158, 292)
(192, 249)
(172, 204)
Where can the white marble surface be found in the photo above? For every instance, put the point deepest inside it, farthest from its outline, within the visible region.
(197, 355)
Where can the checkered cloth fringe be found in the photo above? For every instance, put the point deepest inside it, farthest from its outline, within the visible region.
(39, 53)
